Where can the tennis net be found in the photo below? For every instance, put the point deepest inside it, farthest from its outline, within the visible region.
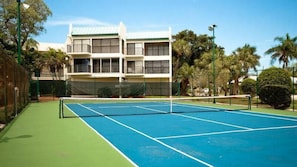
(93, 107)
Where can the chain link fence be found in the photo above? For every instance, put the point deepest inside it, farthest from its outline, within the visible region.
(14, 88)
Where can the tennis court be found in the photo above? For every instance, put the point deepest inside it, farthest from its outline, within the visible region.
(184, 136)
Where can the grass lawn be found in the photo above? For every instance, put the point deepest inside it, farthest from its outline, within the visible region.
(37, 137)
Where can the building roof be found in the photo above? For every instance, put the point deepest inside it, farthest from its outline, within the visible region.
(94, 30)
(149, 35)
(117, 30)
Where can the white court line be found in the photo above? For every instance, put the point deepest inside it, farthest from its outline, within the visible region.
(216, 122)
(198, 107)
(200, 119)
(158, 111)
(281, 117)
(151, 138)
(126, 106)
(128, 159)
(225, 132)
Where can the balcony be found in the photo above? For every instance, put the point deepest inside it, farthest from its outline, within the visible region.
(79, 49)
(135, 71)
(135, 52)
(79, 69)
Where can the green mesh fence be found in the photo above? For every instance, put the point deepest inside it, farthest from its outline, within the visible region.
(14, 88)
(124, 89)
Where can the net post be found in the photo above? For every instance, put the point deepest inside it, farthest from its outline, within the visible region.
(249, 102)
(61, 112)
(171, 104)
(60, 108)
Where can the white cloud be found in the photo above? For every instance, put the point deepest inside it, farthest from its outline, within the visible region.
(76, 21)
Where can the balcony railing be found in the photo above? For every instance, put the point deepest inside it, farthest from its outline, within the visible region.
(135, 70)
(79, 48)
(78, 68)
(135, 51)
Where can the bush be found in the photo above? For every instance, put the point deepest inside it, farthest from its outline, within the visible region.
(274, 87)
(274, 76)
(248, 86)
(104, 92)
(277, 96)
(136, 90)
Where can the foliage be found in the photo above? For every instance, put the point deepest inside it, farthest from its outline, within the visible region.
(274, 76)
(200, 56)
(274, 87)
(278, 96)
(186, 74)
(136, 90)
(32, 20)
(286, 50)
(183, 51)
(186, 48)
(104, 92)
(242, 60)
(55, 60)
(248, 86)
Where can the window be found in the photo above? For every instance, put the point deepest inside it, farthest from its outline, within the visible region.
(81, 65)
(130, 66)
(105, 45)
(134, 49)
(155, 67)
(123, 46)
(135, 67)
(131, 49)
(157, 49)
(81, 45)
(96, 65)
(115, 65)
(105, 65)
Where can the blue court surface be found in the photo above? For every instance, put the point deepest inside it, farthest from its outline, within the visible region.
(223, 139)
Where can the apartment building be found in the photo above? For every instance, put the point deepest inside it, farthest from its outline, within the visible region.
(113, 54)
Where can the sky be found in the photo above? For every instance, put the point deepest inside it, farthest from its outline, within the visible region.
(239, 22)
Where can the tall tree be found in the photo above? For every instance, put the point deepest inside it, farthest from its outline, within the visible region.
(32, 20)
(186, 74)
(187, 48)
(183, 51)
(198, 44)
(243, 59)
(285, 51)
(55, 61)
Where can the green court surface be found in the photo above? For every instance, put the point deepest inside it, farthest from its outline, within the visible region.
(39, 138)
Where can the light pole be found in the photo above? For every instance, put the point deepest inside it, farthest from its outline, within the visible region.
(26, 6)
(212, 28)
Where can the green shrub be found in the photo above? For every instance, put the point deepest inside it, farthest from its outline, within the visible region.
(248, 86)
(277, 96)
(136, 90)
(274, 87)
(104, 92)
(274, 76)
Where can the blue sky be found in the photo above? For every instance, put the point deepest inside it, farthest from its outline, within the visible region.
(253, 22)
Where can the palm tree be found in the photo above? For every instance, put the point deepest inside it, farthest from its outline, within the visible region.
(55, 60)
(285, 51)
(243, 59)
(222, 70)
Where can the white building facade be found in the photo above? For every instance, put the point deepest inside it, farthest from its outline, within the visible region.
(111, 54)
